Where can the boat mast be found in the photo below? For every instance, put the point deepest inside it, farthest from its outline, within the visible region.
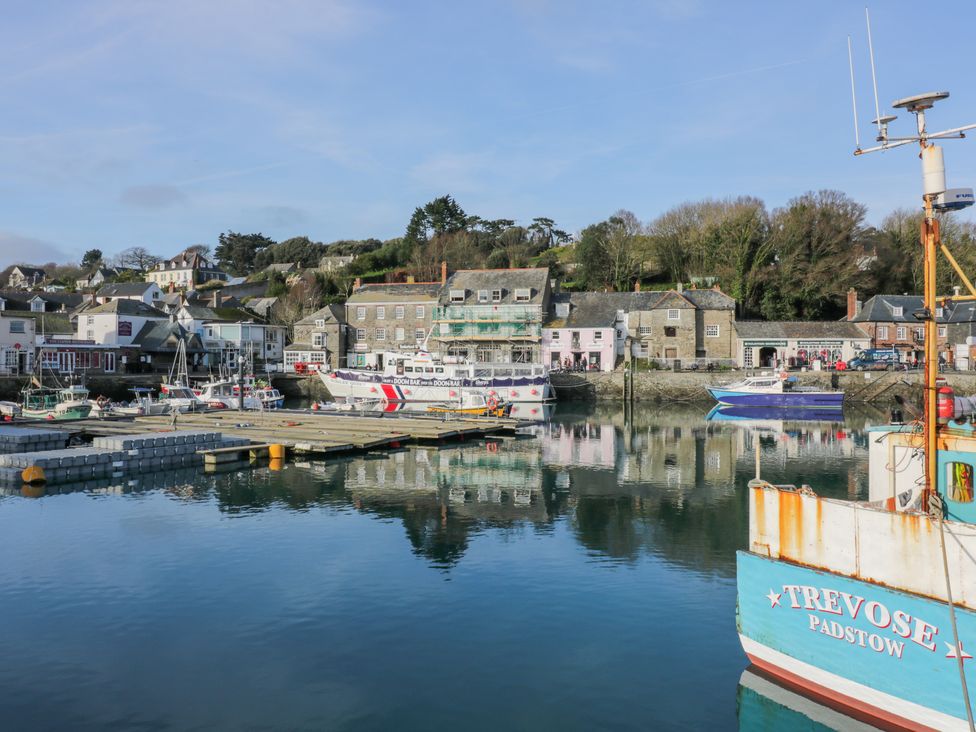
(935, 197)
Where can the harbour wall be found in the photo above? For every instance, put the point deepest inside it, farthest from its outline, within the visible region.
(876, 387)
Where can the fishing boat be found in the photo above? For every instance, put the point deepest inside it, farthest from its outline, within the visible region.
(473, 403)
(226, 394)
(65, 403)
(775, 390)
(871, 605)
(176, 391)
(426, 377)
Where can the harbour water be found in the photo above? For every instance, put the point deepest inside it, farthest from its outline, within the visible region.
(579, 578)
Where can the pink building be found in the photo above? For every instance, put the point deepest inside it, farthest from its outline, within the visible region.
(587, 330)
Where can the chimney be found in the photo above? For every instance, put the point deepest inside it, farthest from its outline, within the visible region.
(411, 279)
(717, 287)
(172, 287)
(637, 286)
(851, 303)
(443, 272)
(216, 299)
(956, 289)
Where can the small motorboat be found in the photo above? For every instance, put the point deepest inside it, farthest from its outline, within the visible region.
(9, 410)
(475, 404)
(772, 390)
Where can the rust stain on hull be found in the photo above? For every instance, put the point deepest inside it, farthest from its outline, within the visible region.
(790, 524)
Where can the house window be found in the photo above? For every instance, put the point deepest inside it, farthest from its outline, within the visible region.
(398, 312)
(620, 334)
(37, 306)
(457, 295)
(90, 334)
(398, 334)
(496, 295)
(882, 332)
(920, 334)
(747, 358)
(943, 331)
(598, 335)
(898, 311)
(420, 312)
(361, 313)
(484, 296)
(320, 323)
(674, 314)
(555, 335)
(523, 294)
(901, 333)
(711, 331)
(317, 340)
(959, 482)
(670, 331)
(419, 334)
(644, 330)
(381, 334)
(381, 312)
(360, 334)
(16, 326)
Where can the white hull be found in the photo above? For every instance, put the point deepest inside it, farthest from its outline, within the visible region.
(346, 383)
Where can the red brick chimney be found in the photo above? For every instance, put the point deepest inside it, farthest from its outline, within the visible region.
(357, 283)
(637, 286)
(851, 303)
(443, 272)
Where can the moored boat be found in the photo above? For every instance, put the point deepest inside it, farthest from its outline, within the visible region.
(771, 390)
(425, 377)
(871, 605)
(66, 403)
(475, 404)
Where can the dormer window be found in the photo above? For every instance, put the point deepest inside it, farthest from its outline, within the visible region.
(483, 295)
(320, 323)
(523, 294)
(940, 312)
(457, 295)
(37, 305)
(898, 311)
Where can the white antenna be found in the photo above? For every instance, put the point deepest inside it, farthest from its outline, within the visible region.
(850, 61)
(874, 78)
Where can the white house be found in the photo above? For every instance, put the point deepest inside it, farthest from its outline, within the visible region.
(145, 292)
(186, 269)
(16, 345)
(117, 322)
(22, 277)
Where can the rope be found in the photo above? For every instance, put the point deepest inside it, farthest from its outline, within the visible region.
(935, 505)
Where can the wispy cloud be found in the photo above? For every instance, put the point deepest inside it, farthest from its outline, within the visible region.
(16, 248)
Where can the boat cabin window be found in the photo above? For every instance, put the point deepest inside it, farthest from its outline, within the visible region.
(409, 369)
(399, 368)
(959, 482)
(429, 370)
(439, 370)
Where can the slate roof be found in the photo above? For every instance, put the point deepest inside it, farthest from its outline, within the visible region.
(29, 271)
(598, 309)
(124, 289)
(66, 300)
(880, 309)
(507, 280)
(16, 299)
(807, 330)
(127, 307)
(393, 291)
(166, 336)
(335, 313)
(261, 306)
(707, 299)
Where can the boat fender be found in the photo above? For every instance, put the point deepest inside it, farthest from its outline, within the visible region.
(33, 474)
(315, 406)
(946, 403)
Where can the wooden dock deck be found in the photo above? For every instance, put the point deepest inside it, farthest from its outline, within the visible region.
(307, 431)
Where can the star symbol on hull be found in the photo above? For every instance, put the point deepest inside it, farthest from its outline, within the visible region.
(952, 651)
(773, 598)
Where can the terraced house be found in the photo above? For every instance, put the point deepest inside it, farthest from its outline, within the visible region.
(388, 317)
(493, 315)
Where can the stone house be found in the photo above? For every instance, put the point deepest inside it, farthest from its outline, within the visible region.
(663, 326)
(319, 340)
(388, 317)
(714, 320)
(493, 315)
(890, 322)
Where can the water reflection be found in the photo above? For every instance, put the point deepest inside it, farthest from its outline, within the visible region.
(583, 573)
(763, 705)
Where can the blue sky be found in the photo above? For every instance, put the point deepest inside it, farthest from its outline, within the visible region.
(161, 124)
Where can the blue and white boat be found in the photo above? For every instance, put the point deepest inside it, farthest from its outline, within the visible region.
(771, 390)
(871, 605)
(756, 415)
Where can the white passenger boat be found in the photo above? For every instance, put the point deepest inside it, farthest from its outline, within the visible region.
(425, 377)
(226, 394)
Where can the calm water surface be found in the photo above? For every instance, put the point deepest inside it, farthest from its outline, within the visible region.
(582, 578)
